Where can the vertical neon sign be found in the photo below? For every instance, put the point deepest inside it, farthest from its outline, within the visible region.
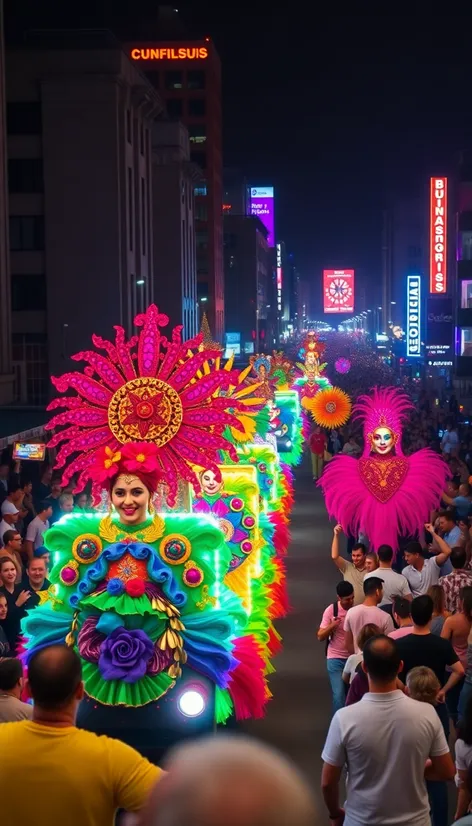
(438, 237)
(413, 321)
(279, 277)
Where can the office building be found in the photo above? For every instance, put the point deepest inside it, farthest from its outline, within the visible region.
(235, 193)
(188, 78)
(248, 280)
(6, 371)
(174, 179)
(463, 249)
(79, 118)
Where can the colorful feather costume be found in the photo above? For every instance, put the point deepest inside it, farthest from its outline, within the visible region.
(384, 494)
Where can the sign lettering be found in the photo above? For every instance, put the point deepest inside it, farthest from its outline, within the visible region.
(438, 236)
(413, 328)
(166, 53)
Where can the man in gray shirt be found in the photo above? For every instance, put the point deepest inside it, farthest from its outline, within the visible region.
(385, 741)
(11, 685)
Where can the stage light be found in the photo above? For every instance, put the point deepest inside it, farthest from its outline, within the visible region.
(191, 703)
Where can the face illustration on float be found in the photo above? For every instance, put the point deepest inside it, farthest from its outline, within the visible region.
(382, 440)
(131, 499)
(210, 484)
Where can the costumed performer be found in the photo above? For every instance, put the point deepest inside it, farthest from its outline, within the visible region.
(384, 494)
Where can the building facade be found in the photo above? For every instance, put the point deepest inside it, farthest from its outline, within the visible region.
(463, 249)
(175, 267)
(6, 370)
(248, 279)
(188, 77)
(79, 161)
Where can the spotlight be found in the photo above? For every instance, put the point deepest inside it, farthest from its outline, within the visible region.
(191, 702)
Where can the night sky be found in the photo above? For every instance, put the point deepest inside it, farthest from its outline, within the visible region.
(336, 112)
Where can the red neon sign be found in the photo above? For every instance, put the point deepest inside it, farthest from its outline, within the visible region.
(338, 291)
(438, 237)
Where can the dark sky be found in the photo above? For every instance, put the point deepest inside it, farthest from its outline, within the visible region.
(335, 111)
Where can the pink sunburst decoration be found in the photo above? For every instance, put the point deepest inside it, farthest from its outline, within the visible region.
(342, 365)
(148, 389)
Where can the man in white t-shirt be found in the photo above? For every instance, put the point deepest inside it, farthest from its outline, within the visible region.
(367, 612)
(10, 516)
(394, 585)
(385, 740)
(421, 573)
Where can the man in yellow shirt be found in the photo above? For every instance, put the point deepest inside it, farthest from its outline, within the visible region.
(80, 778)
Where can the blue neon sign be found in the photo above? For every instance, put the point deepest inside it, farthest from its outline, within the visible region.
(413, 320)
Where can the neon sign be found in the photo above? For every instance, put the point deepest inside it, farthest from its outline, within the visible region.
(261, 203)
(413, 321)
(279, 277)
(438, 237)
(166, 53)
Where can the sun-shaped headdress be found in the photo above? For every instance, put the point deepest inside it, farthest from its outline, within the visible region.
(146, 391)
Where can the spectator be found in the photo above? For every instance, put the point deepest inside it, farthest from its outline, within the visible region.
(331, 631)
(351, 448)
(368, 631)
(16, 598)
(463, 754)
(461, 502)
(4, 474)
(335, 442)
(228, 781)
(385, 740)
(360, 615)
(82, 502)
(440, 614)
(421, 573)
(450, 441)
(452, 584)
(4, 644)
(466, 693)
(28, 504)
(402, 617)
(371, 563)
(66, 504)
(394, 585)
(449, 531)
(36, 582)
(421, 647)
(318, 444)
(12, 543)
(44, 488)
(354, 571)
(43, 553)
(11, 688)
(15, 498)
(467, 820)
(53, 499)
(82, 778)
(10, 517)
(37, 528)
(457, 629)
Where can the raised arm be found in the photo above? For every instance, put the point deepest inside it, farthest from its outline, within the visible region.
(444, 549)
(335, 555)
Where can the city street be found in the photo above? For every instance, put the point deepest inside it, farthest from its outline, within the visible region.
(299, 714)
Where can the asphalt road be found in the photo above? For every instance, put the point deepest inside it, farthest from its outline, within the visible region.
(299, 713)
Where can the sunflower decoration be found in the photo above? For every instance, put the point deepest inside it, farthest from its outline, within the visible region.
(330, 407)
(150, 390)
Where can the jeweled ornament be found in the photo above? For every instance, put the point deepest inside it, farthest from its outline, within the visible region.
(175, 549)
(86, 548)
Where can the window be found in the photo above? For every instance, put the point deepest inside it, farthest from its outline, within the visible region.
(466, 246)
(197, 133)
(201, 211)
(143, 216)
(25, 175)
(28, 292)
(174, 107)
(196, 79)
(24, 118)
(31, 350)
(153, 77)
(466, 295)
(26, 232)
(130, 208)
(197, 107)
(128, 126)
(174, 80)
(466, 341)
(199, 158)
(200, 191)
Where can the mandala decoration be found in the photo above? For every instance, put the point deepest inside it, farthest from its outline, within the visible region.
(342, 365)
(148, 390)
(330, 408)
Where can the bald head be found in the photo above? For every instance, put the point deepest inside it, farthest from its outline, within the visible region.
(225, 781)
(54, 677)
(381, 659)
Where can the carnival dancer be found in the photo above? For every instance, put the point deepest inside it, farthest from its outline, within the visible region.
(384, 494)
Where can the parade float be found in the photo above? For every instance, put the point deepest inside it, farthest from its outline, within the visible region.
(171, 611)
(312, 376)
(384, 494)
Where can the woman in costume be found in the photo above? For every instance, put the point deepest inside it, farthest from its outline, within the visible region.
(313, 378)
(384, 494)
(140, 595)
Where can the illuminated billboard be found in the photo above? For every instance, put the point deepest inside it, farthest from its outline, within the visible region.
(170, 53)
(338, 291)
(261, 203)
(413, 316)
(438, 237)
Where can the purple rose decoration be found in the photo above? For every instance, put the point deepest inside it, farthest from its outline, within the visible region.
(124, 655)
